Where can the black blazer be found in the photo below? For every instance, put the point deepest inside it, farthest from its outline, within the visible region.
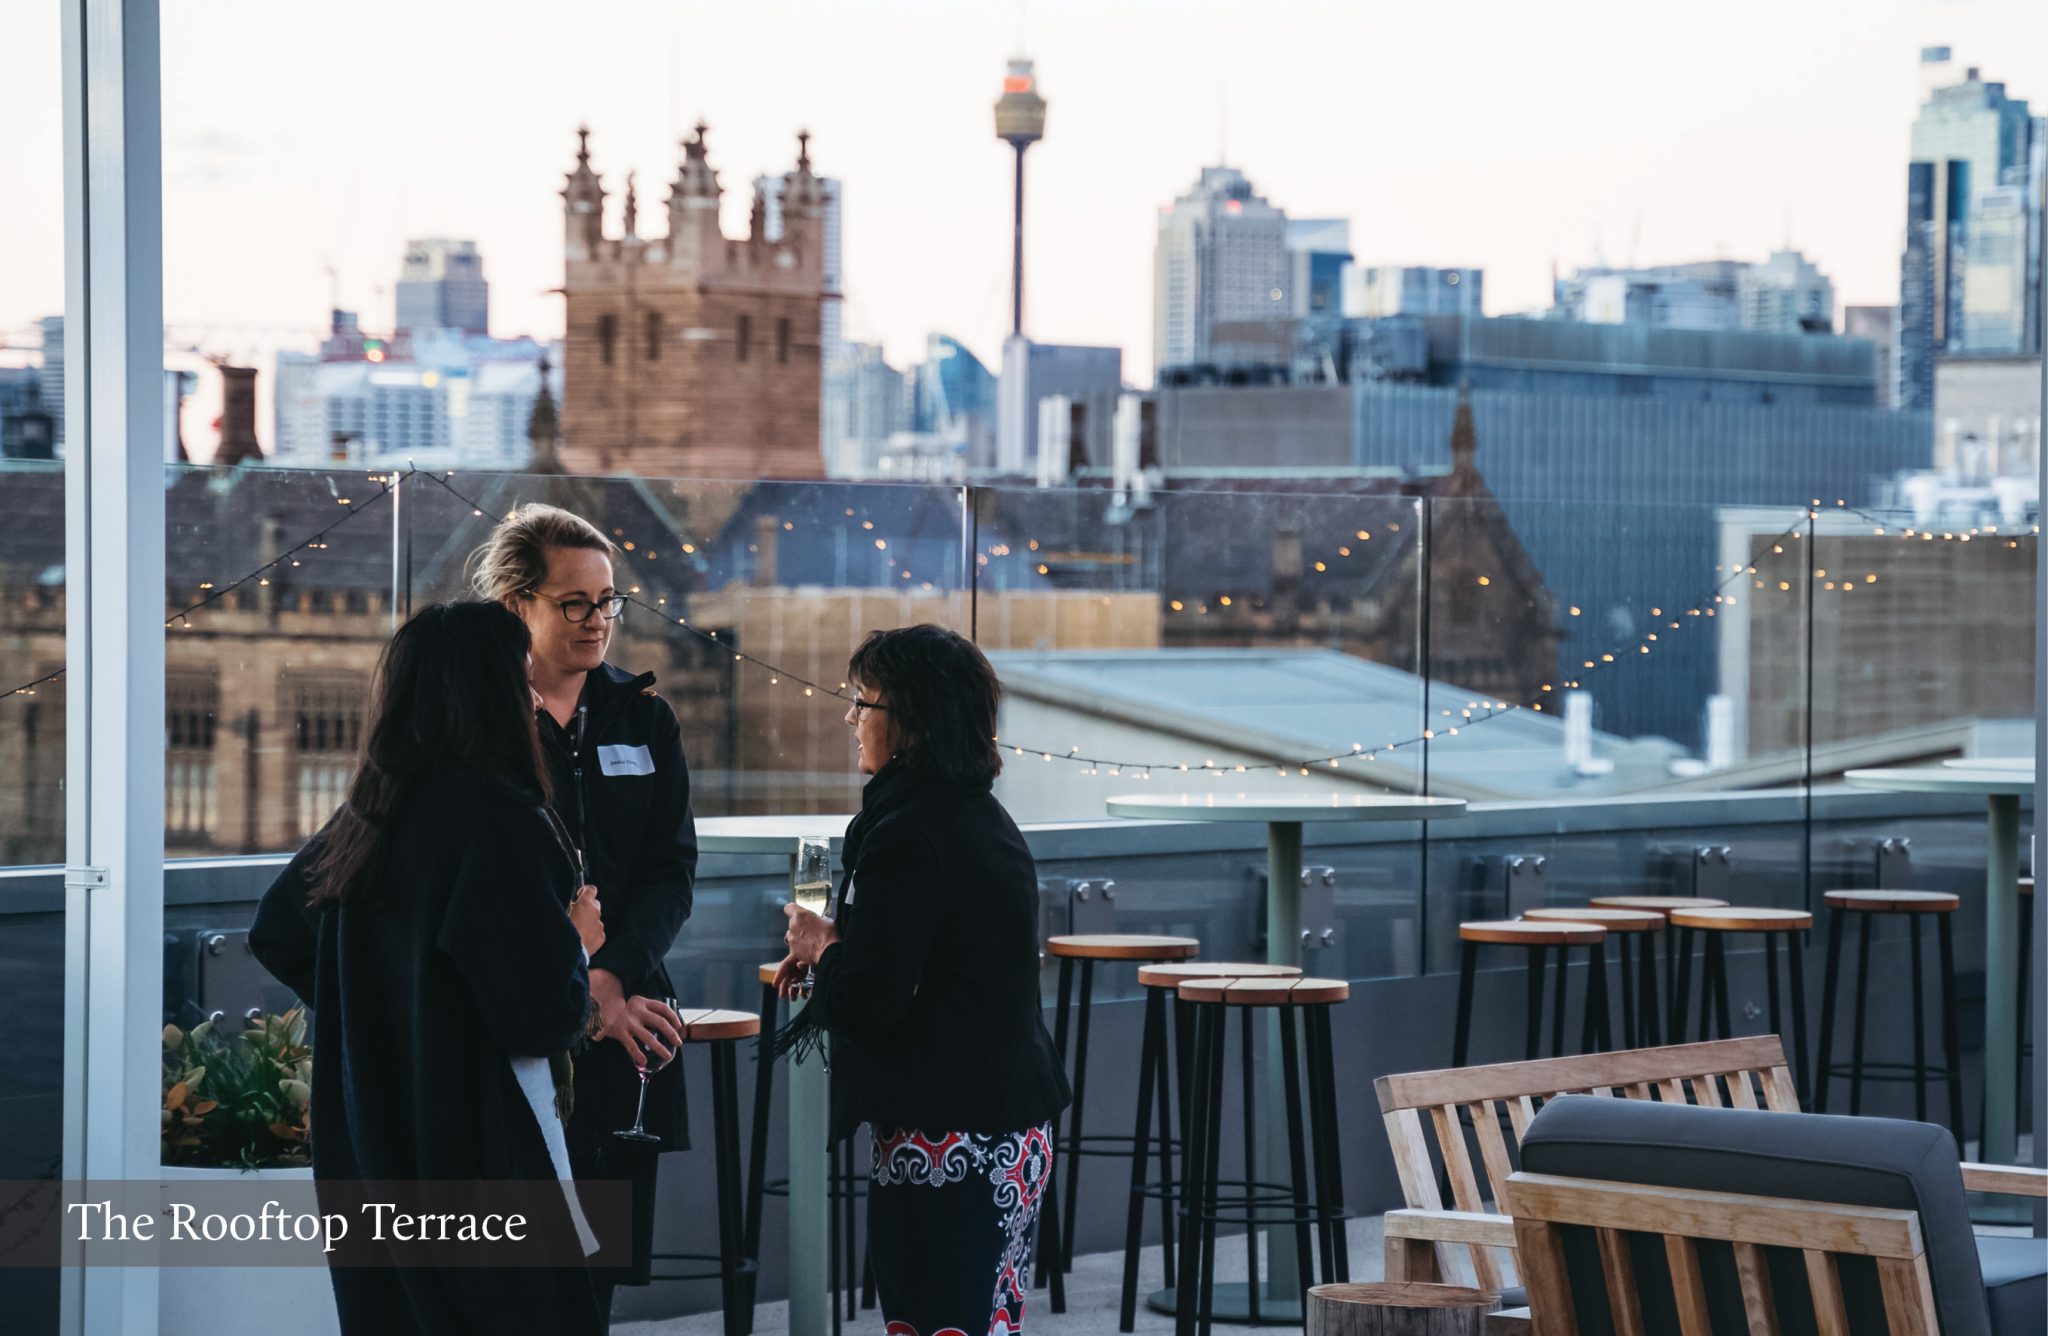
(931, 994)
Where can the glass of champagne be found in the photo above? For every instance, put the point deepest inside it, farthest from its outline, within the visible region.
(651, 1063)
(811, 879)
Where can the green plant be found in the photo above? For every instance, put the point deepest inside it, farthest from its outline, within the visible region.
(240, 1101)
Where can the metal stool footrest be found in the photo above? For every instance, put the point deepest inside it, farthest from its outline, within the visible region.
(744, 1266)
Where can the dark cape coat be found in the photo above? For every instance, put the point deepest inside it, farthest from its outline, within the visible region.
(931, 993)
(460, 957)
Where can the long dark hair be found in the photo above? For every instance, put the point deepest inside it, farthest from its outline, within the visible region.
(941, 694)
(452, 692)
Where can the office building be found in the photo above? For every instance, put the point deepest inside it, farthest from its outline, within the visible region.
(26, 428)
(1782, 295)
(1221, 255)
(1031, 373)
(1970, 277)
(441, 286)
(953, 399)
(436, 397)
(1409, 289)
(693, 354)
(866, 402)
(1880, 325)
(1318, 254)
(53, 378)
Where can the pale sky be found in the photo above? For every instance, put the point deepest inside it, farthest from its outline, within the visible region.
(1488, 132)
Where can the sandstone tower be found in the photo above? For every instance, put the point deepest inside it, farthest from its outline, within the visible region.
(692, 355)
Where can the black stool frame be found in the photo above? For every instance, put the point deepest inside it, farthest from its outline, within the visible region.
(1202, 1203)
(736, 1269)
(1596, 1029)
(1857, 1070)
(1714, 988)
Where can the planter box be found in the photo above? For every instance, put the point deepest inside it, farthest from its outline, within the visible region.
(244, 1300)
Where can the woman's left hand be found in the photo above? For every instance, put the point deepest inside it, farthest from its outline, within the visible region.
(809, 934)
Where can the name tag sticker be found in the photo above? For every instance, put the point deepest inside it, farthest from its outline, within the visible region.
(847, 899)
(625, 760)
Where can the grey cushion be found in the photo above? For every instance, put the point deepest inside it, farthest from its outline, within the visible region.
(2015, 1284)
(1877, 1162)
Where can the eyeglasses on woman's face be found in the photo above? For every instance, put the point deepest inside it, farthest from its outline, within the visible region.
(578, 610)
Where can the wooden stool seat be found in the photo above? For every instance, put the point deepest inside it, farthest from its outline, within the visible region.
(768, 970)
(1522, 932)
(1895, 902)
(1655, 904)
(1614, 920)
(1121, 946)
(706, 1025)
(1732, 919)
(1173, 976)
(1266, 992)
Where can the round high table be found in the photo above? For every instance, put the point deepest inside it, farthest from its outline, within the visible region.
(2001, 786)
(810, 1306)
(1284, 814)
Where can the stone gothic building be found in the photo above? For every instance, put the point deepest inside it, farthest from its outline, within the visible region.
(693, 355)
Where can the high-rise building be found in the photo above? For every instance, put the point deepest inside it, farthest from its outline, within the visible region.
(1785, 294)
(441, 286)
(1318, 254)
(1221, 256)
(866, 402)
(26, 431)
(53, 378)
(693, 354)
(1969, 282)
(1033, 372)
(1371, 291)
(832, 338)
(1880, 325)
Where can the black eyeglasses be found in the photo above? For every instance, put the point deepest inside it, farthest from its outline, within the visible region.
(578, 610)
(869, 705)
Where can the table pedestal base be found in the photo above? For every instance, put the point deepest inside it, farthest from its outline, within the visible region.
(1232, 1303)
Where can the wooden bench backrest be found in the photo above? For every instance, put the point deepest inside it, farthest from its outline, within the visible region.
(1822, 1232)
(1422, 1111)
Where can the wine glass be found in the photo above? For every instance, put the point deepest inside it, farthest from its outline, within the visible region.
(811, 879)
(651, 1062)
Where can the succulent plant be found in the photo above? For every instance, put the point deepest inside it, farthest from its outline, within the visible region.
(241, 1101)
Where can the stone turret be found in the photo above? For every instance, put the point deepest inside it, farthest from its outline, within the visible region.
(582, 206)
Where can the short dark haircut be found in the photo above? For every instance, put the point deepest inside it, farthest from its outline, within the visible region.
(941, 694)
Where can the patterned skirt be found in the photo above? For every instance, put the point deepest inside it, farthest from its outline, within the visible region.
(952, 1218)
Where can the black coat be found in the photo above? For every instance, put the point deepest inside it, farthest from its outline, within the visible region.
(460, 956)
(931, 993)
(624, 795)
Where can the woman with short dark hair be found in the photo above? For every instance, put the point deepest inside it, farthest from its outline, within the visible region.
(435, 927)
(927, 983)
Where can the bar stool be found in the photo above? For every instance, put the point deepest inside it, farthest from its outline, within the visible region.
(1718, 925)
(843, 1186)
(1661, 904)
(1867, 907)
(1639, 1026)
(1161, 984)
(721, 1032)
(1538, 939)
(1057, 1252)
(1309, 1198)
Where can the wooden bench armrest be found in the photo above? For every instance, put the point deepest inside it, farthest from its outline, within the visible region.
(2016, 1180)
(1492, 1231)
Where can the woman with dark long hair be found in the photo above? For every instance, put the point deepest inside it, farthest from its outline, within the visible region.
(927, 984)
(436, 929)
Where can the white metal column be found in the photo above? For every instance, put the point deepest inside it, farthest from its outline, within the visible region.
(114, 652)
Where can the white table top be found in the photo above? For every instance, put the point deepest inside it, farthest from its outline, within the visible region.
(2024, 764)
(766, 834)
(1943, 779)
(1285, 807)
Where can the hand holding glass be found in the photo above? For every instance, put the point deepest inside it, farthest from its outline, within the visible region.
(651, 1062)
(811, 880)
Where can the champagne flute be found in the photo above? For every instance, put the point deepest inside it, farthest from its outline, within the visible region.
(651, 1062)
(811, 880)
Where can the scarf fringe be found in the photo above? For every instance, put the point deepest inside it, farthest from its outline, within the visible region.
(796, 1041)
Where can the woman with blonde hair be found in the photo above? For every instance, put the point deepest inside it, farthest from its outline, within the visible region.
(614, 754)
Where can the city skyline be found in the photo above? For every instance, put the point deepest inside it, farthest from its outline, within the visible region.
(1493, 162)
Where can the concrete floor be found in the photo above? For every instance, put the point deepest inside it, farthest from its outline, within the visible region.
(1094, 1289)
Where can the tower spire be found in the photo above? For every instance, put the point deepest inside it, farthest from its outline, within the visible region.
(632, 205)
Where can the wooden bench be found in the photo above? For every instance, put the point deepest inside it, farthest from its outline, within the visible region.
(1426, 1130)
(1821, 1231)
